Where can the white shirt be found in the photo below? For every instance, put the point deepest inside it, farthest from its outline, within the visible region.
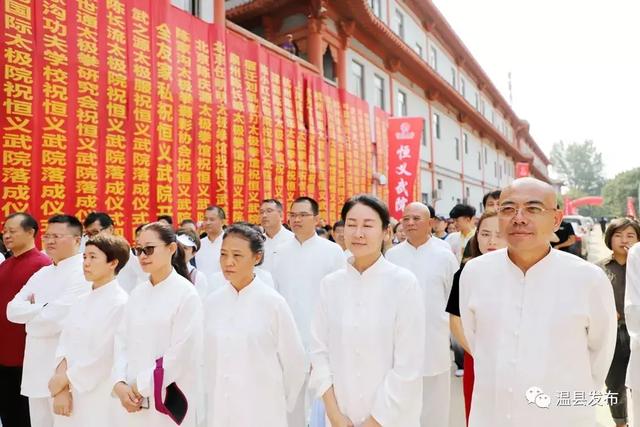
(297, 274)
(271, 245)
(86, 342)
(202, 284)
(1, 258)
(553, 328)
(208, 257)
(56, 288)
(458, 242)
(131, 274)
(632, 315)
(442, 243)
(434, 267)
(164, 320)
(253, 355)
(368, 343)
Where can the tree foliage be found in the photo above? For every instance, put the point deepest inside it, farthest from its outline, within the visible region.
(617, 190)
(580, 166)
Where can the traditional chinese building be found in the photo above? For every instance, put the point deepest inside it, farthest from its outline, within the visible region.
(403, 57)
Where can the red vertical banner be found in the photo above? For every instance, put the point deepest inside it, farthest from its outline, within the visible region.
(355, 145)
(184, 144)
(52, 123)
(19, 148)
(345, 99)
(320, 150)
(266, 141)
(220, 182)
(631, 207)
(522, 169)
(165, 111)
(341, 149)
(140, 113)
(368, 141)
(291, 178)
(204, 121)
(310, 153)
(404, 154)
(382, 151)
(301, 132)
(115, 142)
(253, 189)
(331, 151)
(279, 188)
(236, 53)
(362, 148)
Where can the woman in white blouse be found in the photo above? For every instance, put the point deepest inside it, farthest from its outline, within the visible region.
(162, 323)
(253, 352)
(367, 348)
(85, 349)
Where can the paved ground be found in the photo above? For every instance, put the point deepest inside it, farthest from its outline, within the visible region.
(597, 251)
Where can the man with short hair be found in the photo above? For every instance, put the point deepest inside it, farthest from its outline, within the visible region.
(337, 232)
(19, 233)
(42, 305)
(434, 265)
(300, 264)
(540, 323)
(491, 201)
(208, 257)
(462, 215)
(271, 217)
(131, 274)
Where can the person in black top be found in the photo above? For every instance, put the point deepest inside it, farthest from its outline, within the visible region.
(566, 237)
(486, 239)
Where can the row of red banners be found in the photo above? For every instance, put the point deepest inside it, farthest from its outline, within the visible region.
(139, 109)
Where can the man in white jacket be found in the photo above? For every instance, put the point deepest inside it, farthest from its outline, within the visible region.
(42, 305)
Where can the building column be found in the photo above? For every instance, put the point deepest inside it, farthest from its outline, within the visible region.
(314, 43)
(345, 29)
(219, 13)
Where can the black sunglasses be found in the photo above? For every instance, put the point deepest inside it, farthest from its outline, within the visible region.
(147, 250)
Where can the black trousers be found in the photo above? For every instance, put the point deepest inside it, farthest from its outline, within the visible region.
(617, 374)
(14, 408)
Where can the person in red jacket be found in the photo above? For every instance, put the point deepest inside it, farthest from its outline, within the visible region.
(18, 235)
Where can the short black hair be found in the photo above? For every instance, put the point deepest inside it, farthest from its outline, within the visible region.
(104, 218)
(251, 234)
(187, 221)
(114, 247)
(493, 194)
(218, 210)
(461, 210)
(139, 228)
(432, 211)
(28, 222)
(338, 224)
(321, 231)
(166, 218)
(315, 208)
(370, 201)
(71, 221)
(275, 202)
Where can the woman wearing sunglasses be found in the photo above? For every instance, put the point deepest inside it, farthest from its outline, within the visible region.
(158, 342)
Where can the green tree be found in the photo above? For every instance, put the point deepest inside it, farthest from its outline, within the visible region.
(580, 166)
(616, 191)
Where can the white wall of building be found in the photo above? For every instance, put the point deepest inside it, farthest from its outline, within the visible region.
(450, 194)
(417, 106)
(471, 168)
(445, 146)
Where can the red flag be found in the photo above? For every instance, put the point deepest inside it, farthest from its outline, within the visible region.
(522, 169)
(404, 152)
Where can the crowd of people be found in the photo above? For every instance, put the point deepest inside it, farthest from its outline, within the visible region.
(300, 324)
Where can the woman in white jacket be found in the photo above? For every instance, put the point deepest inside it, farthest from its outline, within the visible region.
(81, 386)
(367, 335)
(158, 345)
(253, 352)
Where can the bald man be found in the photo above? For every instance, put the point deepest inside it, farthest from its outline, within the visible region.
(541, 323)
(434, 264)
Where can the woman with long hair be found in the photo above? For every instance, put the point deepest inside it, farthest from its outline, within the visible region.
(159, 342)
(486, 239)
